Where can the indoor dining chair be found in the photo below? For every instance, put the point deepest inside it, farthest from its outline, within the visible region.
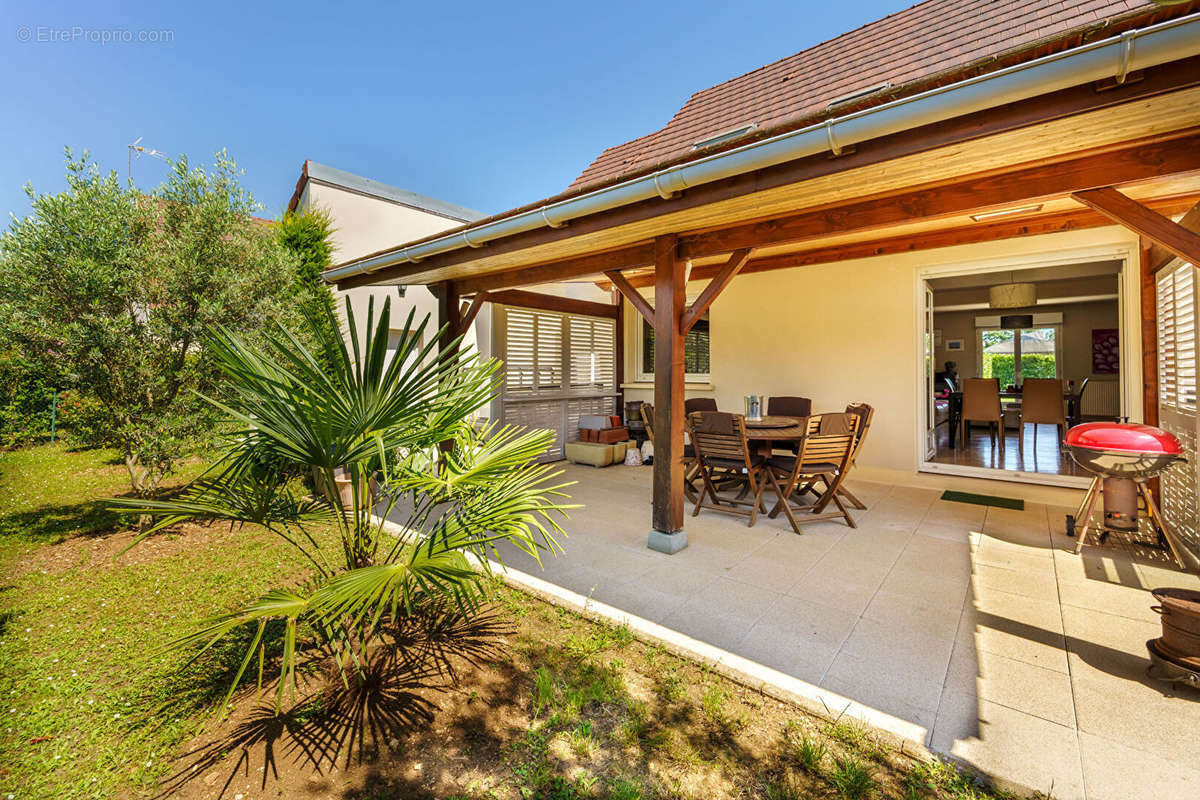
(1042, 404)
(981, 403)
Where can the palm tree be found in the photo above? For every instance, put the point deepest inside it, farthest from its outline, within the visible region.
(397, 432)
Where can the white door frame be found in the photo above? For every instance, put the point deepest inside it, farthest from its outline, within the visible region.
(1131, 344)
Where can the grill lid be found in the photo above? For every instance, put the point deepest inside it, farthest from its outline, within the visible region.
(1123, 438)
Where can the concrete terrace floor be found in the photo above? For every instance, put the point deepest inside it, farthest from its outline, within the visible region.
(976, 626)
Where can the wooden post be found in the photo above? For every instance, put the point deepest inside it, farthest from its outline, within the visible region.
(619, 346)
(449, 315)
(667, 535)
(1149, 303)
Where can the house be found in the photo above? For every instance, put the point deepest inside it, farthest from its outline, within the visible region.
(369, 216)
(790, 231)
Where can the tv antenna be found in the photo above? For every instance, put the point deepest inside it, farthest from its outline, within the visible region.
(136, 148)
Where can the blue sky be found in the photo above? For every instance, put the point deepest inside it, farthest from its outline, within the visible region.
(488, 105)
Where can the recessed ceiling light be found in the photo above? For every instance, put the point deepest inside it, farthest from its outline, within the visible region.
(1006, 212)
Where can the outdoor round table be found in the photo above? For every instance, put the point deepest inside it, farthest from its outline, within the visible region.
(763, 433)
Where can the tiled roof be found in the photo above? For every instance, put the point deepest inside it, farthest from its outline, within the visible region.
(913, 45)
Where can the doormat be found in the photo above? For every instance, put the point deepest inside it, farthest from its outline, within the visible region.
(984, 500)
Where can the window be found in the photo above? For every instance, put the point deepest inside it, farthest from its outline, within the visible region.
(696, 362)
(1011, 355)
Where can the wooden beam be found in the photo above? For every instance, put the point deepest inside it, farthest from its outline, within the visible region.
(1136, 162)
(1143, 221)
(632, 295)
(467, 317)
(549, 302)
(667, 518)
(1080, 219)
(1130, 163)
(724, 275)
(1076, 100)
(1160, 256)
(565, 269)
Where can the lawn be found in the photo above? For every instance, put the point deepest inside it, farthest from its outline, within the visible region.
(526, 701)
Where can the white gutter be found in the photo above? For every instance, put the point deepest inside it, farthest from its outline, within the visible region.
(1109, 58)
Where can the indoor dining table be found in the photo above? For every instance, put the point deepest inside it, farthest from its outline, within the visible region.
(1071, 398)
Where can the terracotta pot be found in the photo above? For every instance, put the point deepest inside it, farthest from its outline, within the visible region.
(1180, 610)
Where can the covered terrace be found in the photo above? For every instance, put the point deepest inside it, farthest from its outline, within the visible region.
(808, 241)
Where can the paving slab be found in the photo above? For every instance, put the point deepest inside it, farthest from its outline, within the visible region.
(977, 629)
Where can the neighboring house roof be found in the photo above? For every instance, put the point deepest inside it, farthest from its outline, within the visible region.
(896, 55)
(330, 176)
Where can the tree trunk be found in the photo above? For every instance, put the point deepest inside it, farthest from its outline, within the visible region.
(142, 483)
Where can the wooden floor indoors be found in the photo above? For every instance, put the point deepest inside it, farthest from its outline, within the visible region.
(1048, 457)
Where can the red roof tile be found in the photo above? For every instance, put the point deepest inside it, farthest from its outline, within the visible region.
(914, 45)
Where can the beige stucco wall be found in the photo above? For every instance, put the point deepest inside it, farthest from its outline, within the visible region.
(365, 225)
(847, 332)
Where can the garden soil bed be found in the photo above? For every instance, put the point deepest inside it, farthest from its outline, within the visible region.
(533, 701)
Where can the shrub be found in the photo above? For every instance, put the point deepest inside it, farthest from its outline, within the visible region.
(26, 399)
(401, 421)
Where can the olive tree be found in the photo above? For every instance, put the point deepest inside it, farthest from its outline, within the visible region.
(108, 290)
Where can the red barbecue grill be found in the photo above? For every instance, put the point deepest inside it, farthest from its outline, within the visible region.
(1123, 457)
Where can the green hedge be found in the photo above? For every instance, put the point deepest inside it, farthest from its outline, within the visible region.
(25, 402)
(1003, 366)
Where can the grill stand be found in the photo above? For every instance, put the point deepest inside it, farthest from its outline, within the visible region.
(1163, 668)
(1094, 493)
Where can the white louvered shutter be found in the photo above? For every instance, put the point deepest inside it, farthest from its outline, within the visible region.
(1176, 307)
(520, 353)
(557, 368)
(593, 354)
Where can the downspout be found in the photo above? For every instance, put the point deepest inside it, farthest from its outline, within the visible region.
(1115, 57)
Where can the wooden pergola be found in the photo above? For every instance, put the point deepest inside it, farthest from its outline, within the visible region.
(1079, 158)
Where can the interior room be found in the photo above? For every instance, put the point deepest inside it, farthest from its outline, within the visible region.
(1018, 357)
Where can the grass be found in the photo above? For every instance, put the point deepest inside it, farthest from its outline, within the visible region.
(851, 778)
(808, 750)
(91, 705)
(562, 708)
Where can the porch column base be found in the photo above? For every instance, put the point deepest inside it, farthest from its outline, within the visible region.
(668, 543)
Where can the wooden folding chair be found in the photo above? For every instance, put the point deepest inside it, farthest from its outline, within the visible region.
(722, 452)
(824, 457)
(691, 470)
(865, 414)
